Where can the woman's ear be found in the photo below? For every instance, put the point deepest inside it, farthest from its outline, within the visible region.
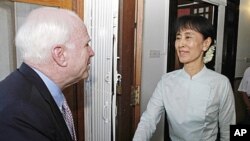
(207, 43)
(59, 55)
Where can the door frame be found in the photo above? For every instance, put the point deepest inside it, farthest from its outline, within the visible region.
(230, 40)
(129, 66)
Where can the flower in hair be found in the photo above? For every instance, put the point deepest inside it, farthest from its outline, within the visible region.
(209, 54)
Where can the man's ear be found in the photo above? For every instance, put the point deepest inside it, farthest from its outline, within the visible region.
(207, 43)
(59, 55)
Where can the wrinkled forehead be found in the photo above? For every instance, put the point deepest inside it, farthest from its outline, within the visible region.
(80, 34)
(79, 30)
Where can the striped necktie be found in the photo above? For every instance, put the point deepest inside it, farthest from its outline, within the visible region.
(67, 115)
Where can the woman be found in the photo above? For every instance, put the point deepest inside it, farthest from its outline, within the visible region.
(196, 99)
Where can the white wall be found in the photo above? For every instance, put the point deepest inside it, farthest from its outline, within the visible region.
(7, 51)
(243, 48)
(154, 50)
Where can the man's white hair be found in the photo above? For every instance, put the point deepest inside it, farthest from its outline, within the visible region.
(43, 29)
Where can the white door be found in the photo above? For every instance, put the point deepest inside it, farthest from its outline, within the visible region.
(101, 19)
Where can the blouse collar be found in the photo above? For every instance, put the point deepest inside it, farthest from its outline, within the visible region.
(196, 76)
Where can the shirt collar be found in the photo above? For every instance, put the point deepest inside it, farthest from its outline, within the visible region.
(53, 89)
(202, 71)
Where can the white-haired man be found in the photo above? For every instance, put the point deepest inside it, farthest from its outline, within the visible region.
(54, 45)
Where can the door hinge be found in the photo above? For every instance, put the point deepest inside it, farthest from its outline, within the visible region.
(135, 95)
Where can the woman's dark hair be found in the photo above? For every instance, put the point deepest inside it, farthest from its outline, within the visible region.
(197, 23)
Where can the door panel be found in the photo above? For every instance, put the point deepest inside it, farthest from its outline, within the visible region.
(101, 21)
(129, 66)
(125, 68)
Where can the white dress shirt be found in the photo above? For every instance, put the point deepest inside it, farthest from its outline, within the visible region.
(245, 82)
(194, 107)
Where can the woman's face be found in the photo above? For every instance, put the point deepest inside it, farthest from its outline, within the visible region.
(190, 46)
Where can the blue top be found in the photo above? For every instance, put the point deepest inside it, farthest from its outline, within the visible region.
(53, 89)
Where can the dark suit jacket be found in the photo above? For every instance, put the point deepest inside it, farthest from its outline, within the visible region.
(28, 112)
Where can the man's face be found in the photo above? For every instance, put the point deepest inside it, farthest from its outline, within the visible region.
(80, 54)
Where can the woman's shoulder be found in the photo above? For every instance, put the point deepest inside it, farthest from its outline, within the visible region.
(172, 74)
(216, 75)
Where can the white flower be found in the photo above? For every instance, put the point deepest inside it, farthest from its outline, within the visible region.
(209, 54)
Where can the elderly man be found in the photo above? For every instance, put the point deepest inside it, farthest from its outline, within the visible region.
(54, 46)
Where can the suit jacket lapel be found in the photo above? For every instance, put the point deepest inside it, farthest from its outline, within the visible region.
(34, 78)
